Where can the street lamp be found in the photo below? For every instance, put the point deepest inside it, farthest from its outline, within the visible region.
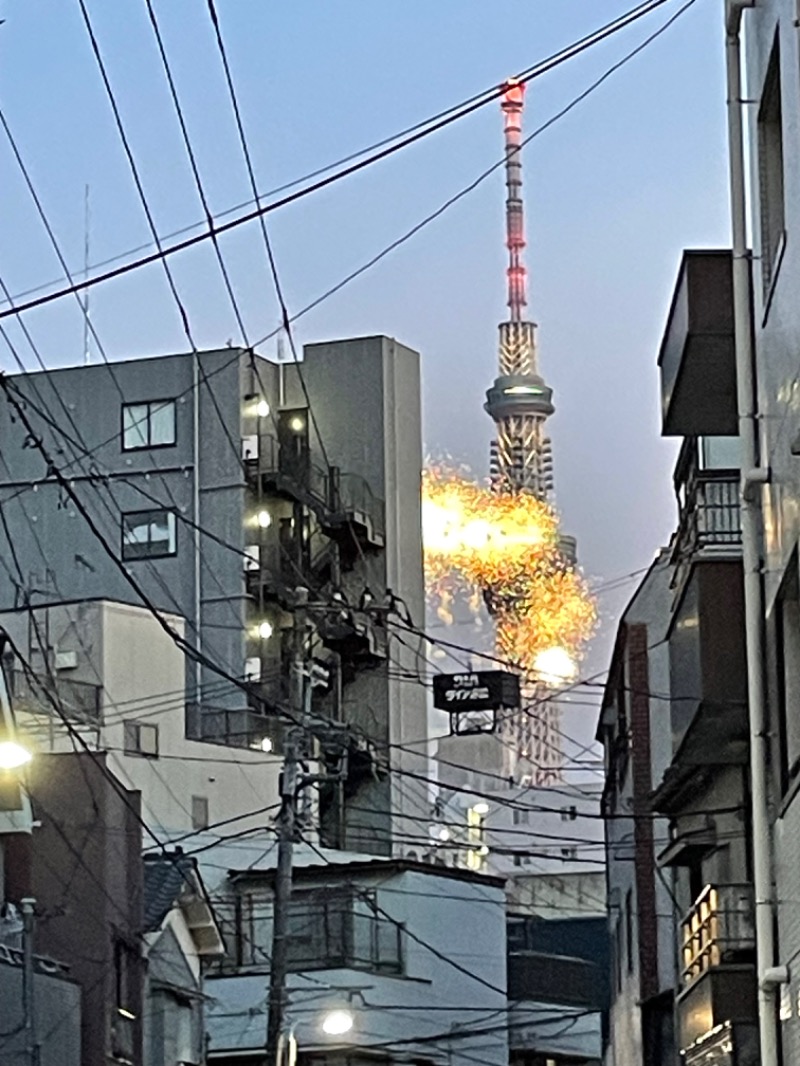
(13, 755)
(337, 1022)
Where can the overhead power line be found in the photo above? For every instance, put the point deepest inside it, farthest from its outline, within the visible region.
(217, 229)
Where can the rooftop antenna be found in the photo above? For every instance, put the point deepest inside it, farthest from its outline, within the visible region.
(87, 340)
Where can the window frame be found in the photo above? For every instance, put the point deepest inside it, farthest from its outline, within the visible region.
(125, 518)
(339, 929)
(196, 802)
(167, 401)
(788, 760)
(771, 178)
(130, 728)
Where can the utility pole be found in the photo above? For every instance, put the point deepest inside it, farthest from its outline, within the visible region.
(296, 776)
(28, 978)
(286, 837)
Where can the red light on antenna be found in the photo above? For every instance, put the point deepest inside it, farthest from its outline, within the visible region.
(514, 92)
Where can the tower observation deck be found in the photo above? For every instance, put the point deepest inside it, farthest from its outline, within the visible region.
(519, 403)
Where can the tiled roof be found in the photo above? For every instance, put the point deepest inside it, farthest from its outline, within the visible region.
(164, 877)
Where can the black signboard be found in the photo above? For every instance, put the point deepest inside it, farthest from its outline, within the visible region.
(484, 690)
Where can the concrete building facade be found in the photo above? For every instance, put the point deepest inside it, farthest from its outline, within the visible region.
(213, 486)
(635, 729)
(772, 54)
(383, 939)
(120, 679)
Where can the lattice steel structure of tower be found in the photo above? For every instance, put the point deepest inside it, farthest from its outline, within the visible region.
(519, 402)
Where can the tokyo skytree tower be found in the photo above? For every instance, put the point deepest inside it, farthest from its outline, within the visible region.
(519, 402)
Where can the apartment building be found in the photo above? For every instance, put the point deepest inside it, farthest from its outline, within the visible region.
(380, 939)
(675, 726)
(212, 487)
(772, 55)
(635, 730)
(119, 680)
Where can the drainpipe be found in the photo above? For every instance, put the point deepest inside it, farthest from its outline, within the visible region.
(198, 547)
(752, 478)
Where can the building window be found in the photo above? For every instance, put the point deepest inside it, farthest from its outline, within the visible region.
(629, 928)
(787, 610)
(569, 814)
(334, 929)
(521, 817)
(141, 738)
(148, 534)
(148, 425)
(770, 171)
(199, 812)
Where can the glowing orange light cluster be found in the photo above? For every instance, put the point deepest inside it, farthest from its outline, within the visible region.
(505, 548)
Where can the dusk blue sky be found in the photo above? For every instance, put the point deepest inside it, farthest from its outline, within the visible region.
(614, 192)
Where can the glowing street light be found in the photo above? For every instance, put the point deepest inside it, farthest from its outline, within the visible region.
(262, 409)
(481, 808)
(337, 1022)
(13, 755)
(265, 630)
(264, 519)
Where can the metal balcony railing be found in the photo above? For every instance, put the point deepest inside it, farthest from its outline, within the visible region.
(709, 515)
(719, 929)
(78, 700)
(339, 499)
(237, 728)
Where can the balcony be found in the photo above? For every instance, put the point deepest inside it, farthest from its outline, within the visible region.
(718, 975)
(283, 560)
(79, 701)
(706, 480)
(697, 357)
(343, 503)
(238, 728)
(718, 930)
(355, 635)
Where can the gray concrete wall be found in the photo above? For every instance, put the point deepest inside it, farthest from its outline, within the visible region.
(777, 335)
(650, 606)
(59, 555)
(171, 992)
(58, 1011)
(364, 396)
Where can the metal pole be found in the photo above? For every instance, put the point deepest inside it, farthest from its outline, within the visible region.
(751, 478)
(198, 546)
(286, 833)
(28, 981)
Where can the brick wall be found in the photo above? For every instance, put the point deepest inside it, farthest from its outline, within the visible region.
(639, 704)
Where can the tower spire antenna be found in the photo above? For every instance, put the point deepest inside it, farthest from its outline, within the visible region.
(513, 102)
(519, 402)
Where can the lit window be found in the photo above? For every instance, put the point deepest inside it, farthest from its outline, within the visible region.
(148, 425)
(141, 738)
(148, 534)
